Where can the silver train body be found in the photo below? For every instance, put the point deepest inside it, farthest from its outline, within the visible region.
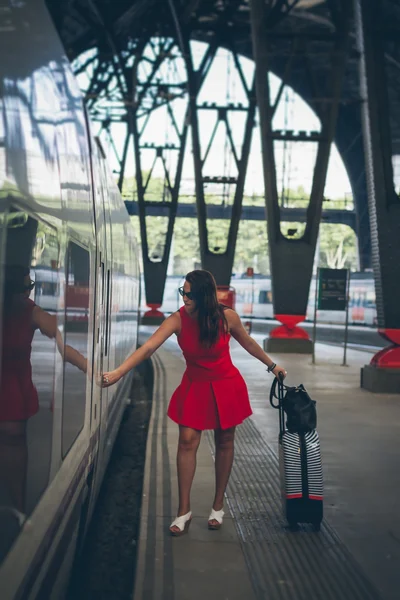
(254, 299)
(61, 214)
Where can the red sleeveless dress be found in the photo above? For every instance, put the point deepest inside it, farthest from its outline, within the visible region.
(18, 395)
(212, 394)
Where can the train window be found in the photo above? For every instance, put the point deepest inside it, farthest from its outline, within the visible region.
(262, 297)
(239, 295)
(28, 362)
(265, 297)
(370, 299)
(45, 288)
(75, 343)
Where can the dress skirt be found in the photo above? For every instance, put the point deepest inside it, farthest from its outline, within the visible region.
(210, 404)
(18, 396)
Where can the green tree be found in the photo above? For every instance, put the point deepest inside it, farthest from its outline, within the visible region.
(186, 246)
(156, 191)
(337, 247)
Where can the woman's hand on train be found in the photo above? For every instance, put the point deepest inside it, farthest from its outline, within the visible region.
(111, 378)
(277, 370)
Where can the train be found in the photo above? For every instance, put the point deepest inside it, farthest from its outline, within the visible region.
(61, 216)
(253, 299)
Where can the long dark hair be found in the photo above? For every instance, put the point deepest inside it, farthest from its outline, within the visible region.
(210, 314)
(13, 284)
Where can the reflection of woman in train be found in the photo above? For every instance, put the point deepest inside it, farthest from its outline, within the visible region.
(212, 394)
(18, 395)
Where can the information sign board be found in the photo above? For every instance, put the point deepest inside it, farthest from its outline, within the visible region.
(332, 289)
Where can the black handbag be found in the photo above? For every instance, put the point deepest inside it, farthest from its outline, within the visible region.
(300, 409)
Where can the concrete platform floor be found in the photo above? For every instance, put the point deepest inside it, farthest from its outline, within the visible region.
(357, 553)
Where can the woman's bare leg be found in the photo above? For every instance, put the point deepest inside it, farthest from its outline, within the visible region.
(224, 451)
(14, 461)
(189, 440)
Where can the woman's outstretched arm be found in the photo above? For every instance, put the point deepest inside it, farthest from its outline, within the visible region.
(47, 324)
(248, 343)
(166, 329)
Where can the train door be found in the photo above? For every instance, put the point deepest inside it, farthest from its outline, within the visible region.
(100, 303)
(107, 360)
(99, 327)
(106, 365)
(102, 321)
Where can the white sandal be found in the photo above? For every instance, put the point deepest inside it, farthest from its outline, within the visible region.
(215, 515)
(182, 523)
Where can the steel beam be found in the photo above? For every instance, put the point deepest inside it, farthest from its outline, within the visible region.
(155, 271)
(220, 264)
(117, 94)
(384, 204)
(292, 260)
(248, 213)
(349, 141)
(130, 100)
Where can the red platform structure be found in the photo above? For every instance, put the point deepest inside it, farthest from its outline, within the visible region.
(289, 328)
(382, 373)
(289, 337)
(153, 316)
(226, 294)
(389, 357)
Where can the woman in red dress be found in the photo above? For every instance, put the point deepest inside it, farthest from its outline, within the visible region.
(18, 395)
(212, 394)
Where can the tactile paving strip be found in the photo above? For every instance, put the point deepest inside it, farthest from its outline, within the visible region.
(285, 565)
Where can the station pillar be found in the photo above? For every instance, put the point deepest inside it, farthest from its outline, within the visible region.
(292, 259)
(383, 372)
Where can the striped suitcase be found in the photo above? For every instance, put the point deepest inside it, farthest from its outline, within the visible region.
(301, 473)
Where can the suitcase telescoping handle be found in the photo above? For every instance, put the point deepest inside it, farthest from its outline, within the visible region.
(278, 383)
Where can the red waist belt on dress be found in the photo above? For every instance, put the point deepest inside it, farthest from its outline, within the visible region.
(197, 373)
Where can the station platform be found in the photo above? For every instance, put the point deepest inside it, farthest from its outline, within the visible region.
(355, 556)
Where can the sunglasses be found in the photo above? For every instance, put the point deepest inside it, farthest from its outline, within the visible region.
(25, 288)
(188, 295)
